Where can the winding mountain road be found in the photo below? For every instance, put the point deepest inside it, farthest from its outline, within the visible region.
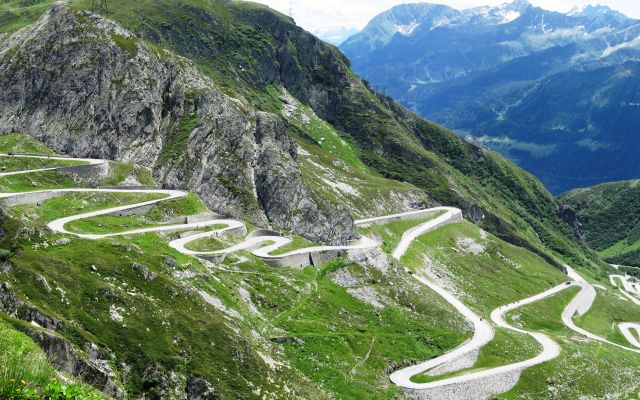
(264, 243)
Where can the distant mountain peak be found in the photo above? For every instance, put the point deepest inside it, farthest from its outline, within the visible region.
(520, 4)
(591, 11)
(502, 14)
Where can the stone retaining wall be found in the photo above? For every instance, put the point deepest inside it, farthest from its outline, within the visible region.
(140, 210)
(202, 217)
(29, 198)
(396, 218)
(93, 171)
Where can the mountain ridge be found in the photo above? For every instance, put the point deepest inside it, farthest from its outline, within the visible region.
(466, 76)
(260, 120)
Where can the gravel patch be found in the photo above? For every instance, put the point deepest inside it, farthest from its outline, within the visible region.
(116, 313)
(246, 297)
(367, 295)
(469, 245)
(465, 361)
(374, 258)
(217, 304)
(481, 389)
(438, 273)
(343, 277)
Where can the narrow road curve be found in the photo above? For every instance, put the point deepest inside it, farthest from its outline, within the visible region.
(626, 328)
(255, 244)
(580, 305)
(263, 245)
(86, 161)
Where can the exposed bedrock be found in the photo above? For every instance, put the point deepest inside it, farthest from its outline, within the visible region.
(88, 88)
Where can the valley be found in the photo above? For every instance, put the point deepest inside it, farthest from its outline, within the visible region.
(201, 200)
(553, 91)
(470, 379)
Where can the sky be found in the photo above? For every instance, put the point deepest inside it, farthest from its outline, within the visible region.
(335, 20)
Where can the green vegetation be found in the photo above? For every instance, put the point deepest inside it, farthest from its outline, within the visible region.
(473, 263)
(129, 45)
(214, 243)
(25, 372)
(297, 243)
(161, 213)
(610, 219)
(76, 203)
(23, 366)
(19, 143)
(607, 312)
(391, 233)
(477, 263)
(233, 43)
(506, 348)
(364, 192)
(320, 132)
(351, 342)
(16, 14)
(342, 326)
(176, 146)
(119, 172)
(11, 164)
(584, 368)
(35, 181)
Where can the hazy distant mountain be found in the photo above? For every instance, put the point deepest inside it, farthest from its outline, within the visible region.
(558, 93)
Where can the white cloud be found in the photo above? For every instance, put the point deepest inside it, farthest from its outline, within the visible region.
(332, 18)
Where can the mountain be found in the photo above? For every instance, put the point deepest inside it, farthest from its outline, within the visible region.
(608, 216)
(265, 125)
(537, 86)
(157, 131)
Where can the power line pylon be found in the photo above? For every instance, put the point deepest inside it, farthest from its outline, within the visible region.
(291, 8)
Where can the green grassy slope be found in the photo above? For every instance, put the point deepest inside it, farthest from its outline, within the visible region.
(251, 51)
(335, 331)
(98, 297)
(25, 371)
(584, 368)
(486, 272)
(610, 219)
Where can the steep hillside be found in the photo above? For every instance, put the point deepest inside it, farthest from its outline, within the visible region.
(136, 317)
(609, 216)
(158, 297)
(205, 116)
(552, 92)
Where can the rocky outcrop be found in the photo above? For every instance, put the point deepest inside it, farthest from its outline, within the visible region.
(287, 201)
(198, 388)
(67, 358)
(156, 383)
(87, 87)
(570, 217)
(144, 271)
(14, 307)
(92, 367)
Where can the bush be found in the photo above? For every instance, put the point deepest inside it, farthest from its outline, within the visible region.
(59, 391)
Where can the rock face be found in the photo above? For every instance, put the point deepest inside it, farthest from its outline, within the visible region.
(144, 271)
(199, 388)
(87, 87)
(14, 307)
(68, 359)
(93, 368)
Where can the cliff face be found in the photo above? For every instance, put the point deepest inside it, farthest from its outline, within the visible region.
(88, 87)
(140, 98)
